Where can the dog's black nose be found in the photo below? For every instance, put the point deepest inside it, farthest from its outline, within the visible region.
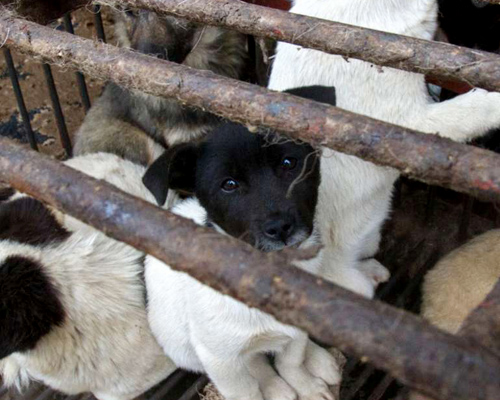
(279, 229)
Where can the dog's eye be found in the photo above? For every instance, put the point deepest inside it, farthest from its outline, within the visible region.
(288, 163)
(229, 185)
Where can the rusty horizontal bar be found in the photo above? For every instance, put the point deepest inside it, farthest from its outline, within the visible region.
(439, 61)
(403, 344)
(483, 324)
(428, 158)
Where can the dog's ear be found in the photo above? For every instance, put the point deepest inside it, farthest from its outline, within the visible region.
(322, 94)
(175, 169)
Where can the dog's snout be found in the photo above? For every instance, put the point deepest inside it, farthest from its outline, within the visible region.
(279, 229)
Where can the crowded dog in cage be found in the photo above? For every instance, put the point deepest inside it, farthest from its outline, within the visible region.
(138, 126)
(262, 189)
(73, 300)
(81, 322)
(355, 195)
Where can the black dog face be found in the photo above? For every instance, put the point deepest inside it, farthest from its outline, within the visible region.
(260, 188)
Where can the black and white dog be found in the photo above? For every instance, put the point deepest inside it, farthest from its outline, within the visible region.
(72, 303)
(263, 189)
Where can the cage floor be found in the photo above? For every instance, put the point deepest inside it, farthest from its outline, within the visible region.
(426, 223)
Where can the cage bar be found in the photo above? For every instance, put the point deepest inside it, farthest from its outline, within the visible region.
(30, 135)
(101, 35)
(419, 353)
(80, 79)
(457, 166)
(56, 105)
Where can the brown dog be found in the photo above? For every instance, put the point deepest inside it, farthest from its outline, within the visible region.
(138, 126)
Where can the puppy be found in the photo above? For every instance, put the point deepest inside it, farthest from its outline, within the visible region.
(354, 196)
(460, 281)
(262, 189)
(72, 301)
(137, 126)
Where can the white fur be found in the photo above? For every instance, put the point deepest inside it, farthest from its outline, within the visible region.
(354, 196)
(205, 331)
(105, 345)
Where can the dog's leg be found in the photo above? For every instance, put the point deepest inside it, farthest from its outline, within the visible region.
(374, 271)
(229, 373)
(349, 219)
(322, 364)
(272, 386)
(464, 117)
(290, 365)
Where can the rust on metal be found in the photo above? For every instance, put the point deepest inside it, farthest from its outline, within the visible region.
(439, 61)
(403, 344)
(483, 325)
(427, 158)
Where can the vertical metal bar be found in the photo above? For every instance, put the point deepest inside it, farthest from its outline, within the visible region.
(409, 293)
(171, 382)
(98, 23)
(381, 388)
(463, 231)
(431, 201)
(84, 94)
(20, 99)
(56, 105)
(192, 392)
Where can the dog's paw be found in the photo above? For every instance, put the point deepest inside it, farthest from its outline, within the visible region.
(277, 389)
(318, 391)
(305, 384)
(320, 363)
(353, 279)
(374, 271)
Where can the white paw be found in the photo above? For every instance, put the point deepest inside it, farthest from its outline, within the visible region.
(277, 389)
(353, 279)
(320, 363)
(253, 396)
(374, 271)
(305, 384)
(319, 391)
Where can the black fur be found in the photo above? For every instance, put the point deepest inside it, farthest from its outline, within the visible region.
(29, 305)
(468, 25)
(273, 204)
(176, 169)
(28, 221)
(6, 193)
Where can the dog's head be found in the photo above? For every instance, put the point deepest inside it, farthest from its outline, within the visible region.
(168, 38)
(262, 188)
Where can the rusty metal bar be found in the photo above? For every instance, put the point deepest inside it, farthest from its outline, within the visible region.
(463, 168)
(439, 61)
(483, 324)
(420, 355)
